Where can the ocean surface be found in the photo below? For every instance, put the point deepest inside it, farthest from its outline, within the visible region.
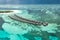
(16, 30)
(29, 1)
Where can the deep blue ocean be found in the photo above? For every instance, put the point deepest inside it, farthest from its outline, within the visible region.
(29, 1)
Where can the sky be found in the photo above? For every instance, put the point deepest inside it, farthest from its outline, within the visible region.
(29, 1)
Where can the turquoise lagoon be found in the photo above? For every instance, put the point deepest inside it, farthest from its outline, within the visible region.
(16, 30)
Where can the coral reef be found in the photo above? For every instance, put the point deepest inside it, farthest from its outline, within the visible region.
(25, 31)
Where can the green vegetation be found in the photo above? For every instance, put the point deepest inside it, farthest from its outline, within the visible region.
(5, 11)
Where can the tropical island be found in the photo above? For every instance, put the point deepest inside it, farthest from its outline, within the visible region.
(7, 11)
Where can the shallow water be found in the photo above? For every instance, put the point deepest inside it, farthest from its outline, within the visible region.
(16, 30)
